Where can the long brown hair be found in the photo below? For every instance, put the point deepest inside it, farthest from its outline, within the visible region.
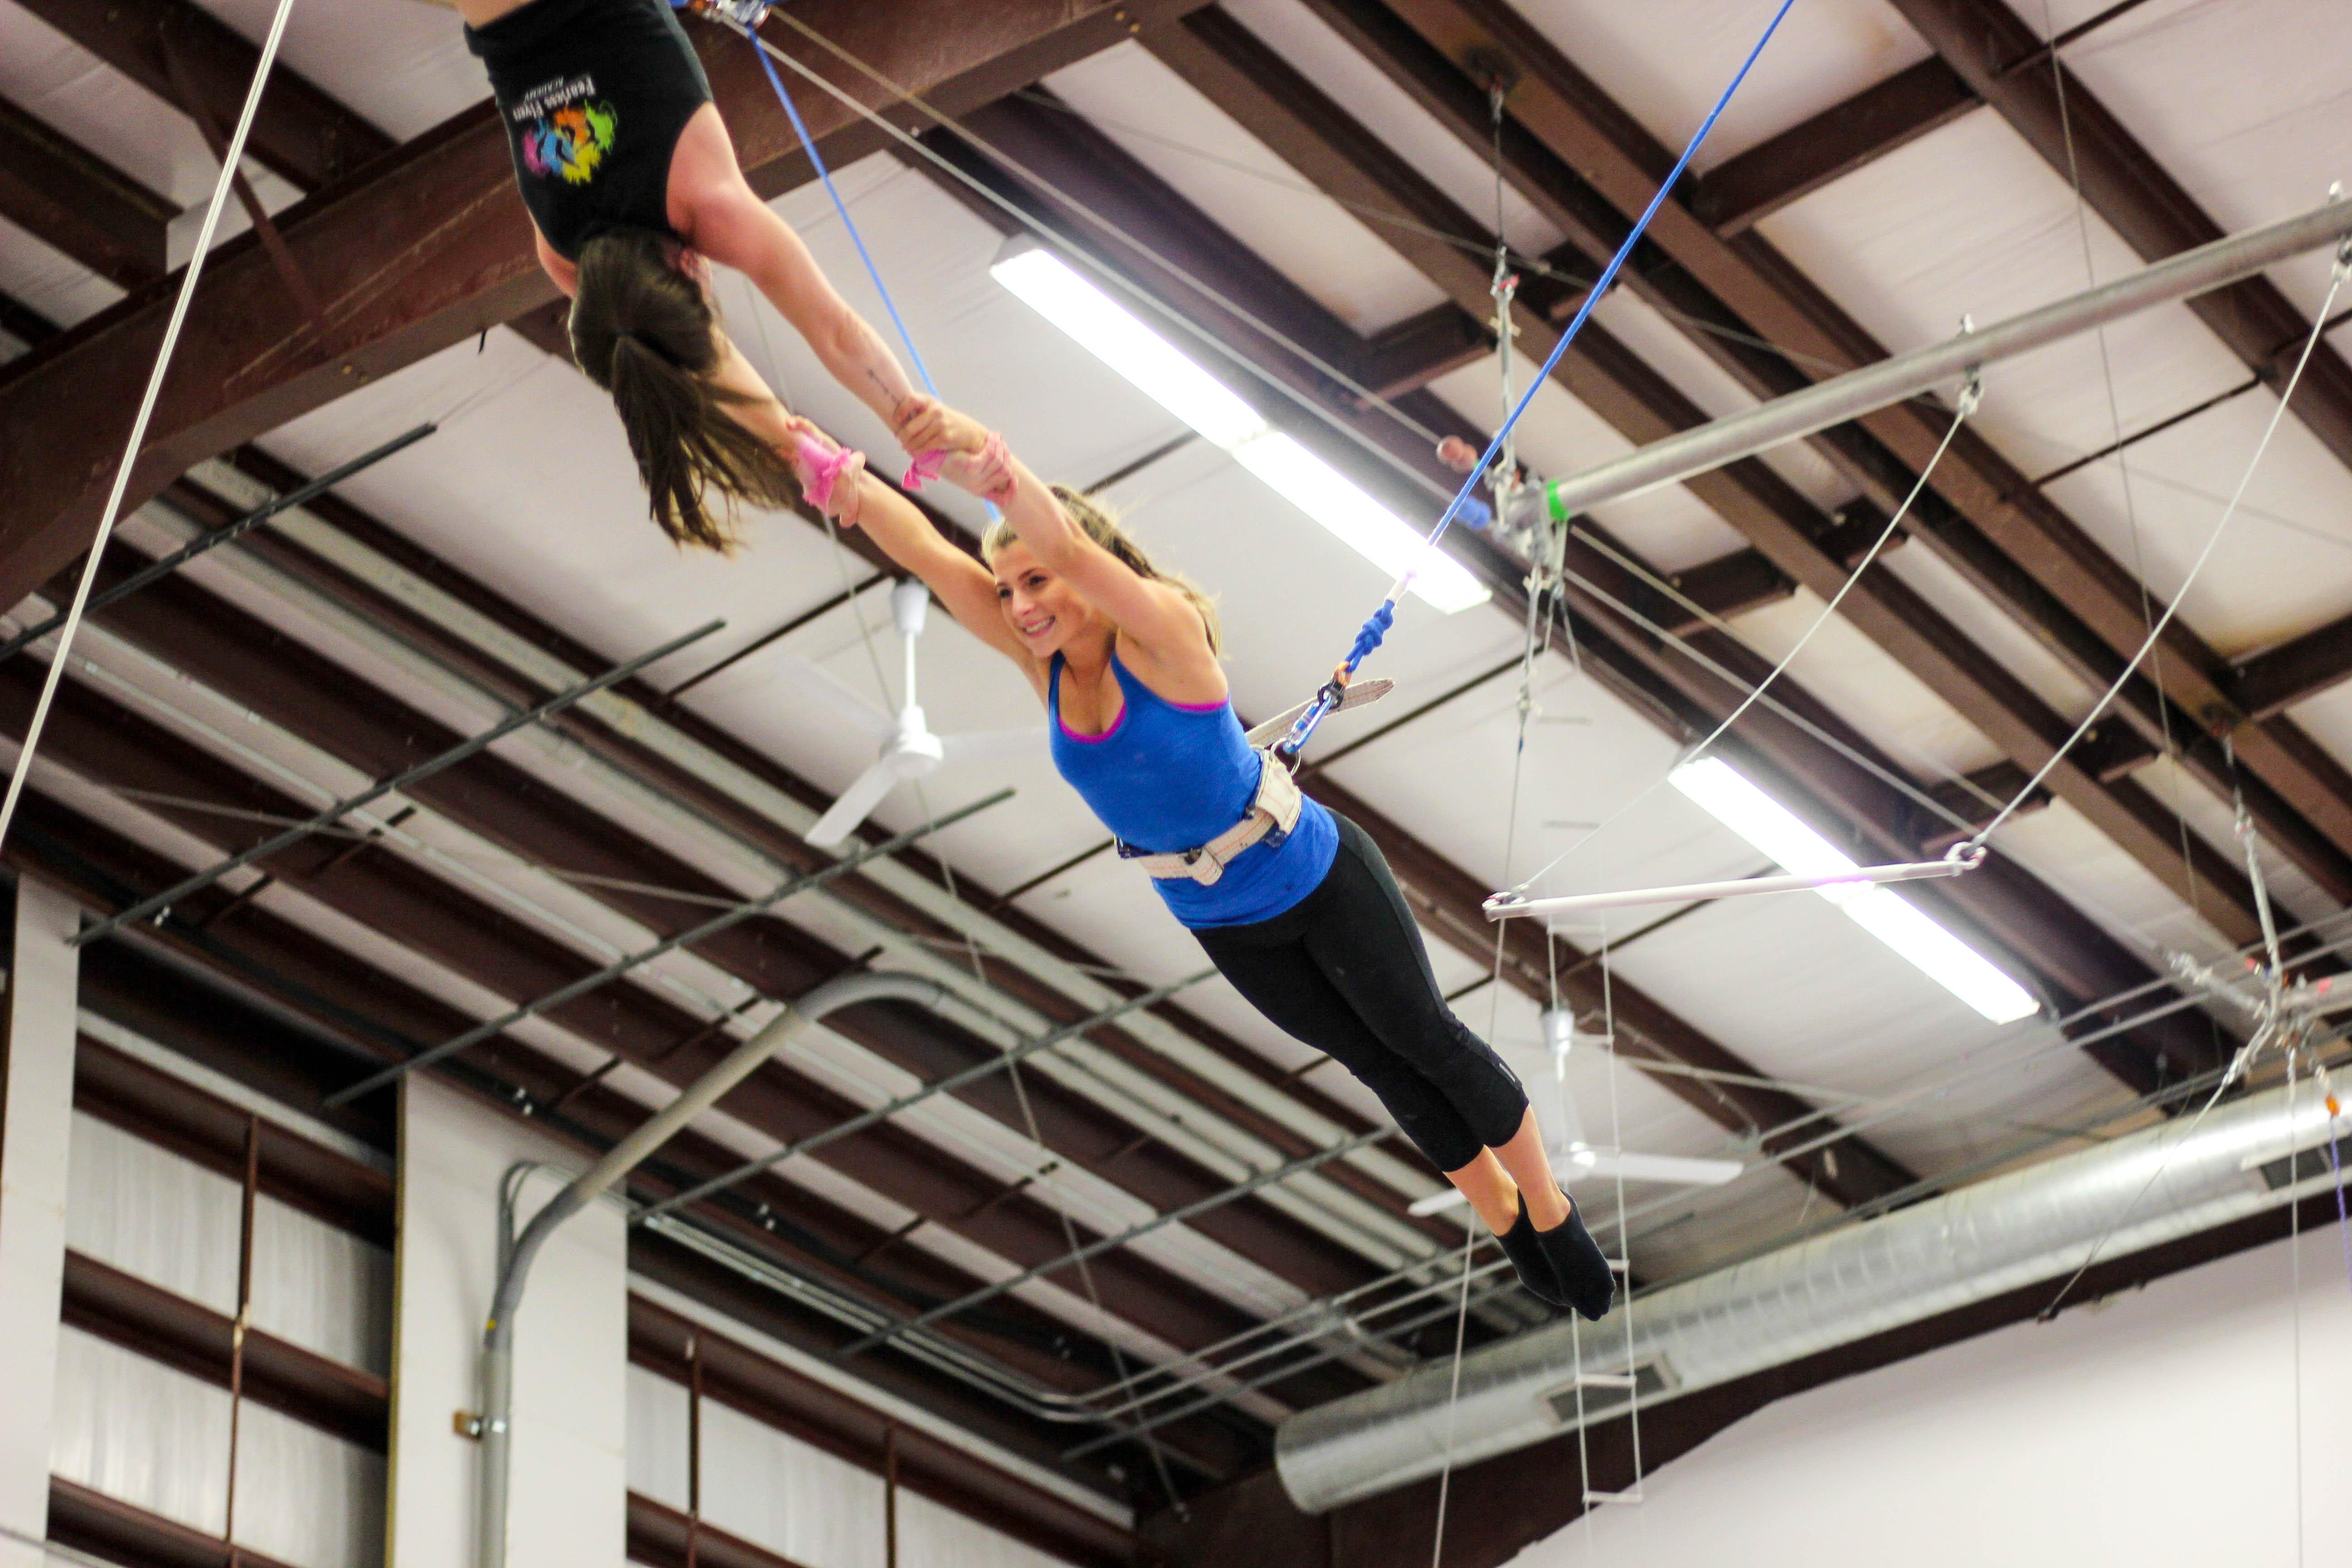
(645, 331)
(1104, 530)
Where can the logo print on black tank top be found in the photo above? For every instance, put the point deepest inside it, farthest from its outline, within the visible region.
(565, 131)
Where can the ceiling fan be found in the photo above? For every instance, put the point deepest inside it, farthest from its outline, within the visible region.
(908, 749)
(1544, 1071)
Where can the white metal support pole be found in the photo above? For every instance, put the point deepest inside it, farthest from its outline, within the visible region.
(36, 1125)
(1875, 386)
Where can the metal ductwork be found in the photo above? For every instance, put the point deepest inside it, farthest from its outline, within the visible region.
(2035, 1225)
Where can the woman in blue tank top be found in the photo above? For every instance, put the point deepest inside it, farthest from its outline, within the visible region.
(1293, 904)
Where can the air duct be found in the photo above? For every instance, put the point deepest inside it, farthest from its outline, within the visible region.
(2031, 1226)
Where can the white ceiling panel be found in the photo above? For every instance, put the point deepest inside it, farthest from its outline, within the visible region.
(1348, 77)
(1669, 61)
(1178, 134)
(2244, 102)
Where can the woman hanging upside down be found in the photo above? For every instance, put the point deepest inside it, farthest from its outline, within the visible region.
(631, 184)
(1292, 902)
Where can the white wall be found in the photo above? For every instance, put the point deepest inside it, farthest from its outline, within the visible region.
(2158, 1428)
(569, 1498)
(36, 1129)
(150, 1211)
(158, 1438)
(795, 1499)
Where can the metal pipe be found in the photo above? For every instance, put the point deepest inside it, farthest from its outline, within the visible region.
(1504, 906)
(497, 1334)
(2031, 1226)
(165, 566)
(620, 966)
(406, 776)
(1890, 381)
(889, 1108)
(1281, 1172)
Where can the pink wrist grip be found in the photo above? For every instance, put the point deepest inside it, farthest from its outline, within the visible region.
(924, 468)
(822, 468)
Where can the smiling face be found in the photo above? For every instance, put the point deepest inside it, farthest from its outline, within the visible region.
(1044, 610)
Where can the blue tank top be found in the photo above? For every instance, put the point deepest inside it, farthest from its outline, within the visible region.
(1170, 776)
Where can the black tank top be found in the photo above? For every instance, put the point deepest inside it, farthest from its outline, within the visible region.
(594, 94)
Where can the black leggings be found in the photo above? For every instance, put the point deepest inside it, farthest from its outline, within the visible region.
(1344, 970)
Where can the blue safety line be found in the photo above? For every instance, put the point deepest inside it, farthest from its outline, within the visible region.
(808, 145)
(1376, 627)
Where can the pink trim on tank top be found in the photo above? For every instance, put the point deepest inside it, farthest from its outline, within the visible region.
(1064, 724)
(1069, 733)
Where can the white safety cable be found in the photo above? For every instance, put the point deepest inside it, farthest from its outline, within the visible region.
(968, 946)
(1971, 395)
(1575, 1330)
(2294, 1293)
(221, 189)
(1668, 637)
(2117, 445)
(1624, 1230)
(2272, 1025)
(2341, 270)
(1538, 630)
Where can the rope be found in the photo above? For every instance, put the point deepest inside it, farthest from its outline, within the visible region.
(222, 187)
(1971, 395)
(1376, 627)
(2341, 272)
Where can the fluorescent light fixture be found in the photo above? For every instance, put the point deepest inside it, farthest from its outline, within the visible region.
(1112, 333)
(1725, 795)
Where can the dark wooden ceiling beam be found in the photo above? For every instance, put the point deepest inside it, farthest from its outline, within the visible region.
(2006, 909)
(1589, 165)
(77, 202)
(301, 133)
(2269, 683)
(2078, 135)
(1738, 192)
(23, 324)
(1281, 108)
(427, 246)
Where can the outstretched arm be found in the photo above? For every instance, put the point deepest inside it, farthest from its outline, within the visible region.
(904, 534)
(718, 214)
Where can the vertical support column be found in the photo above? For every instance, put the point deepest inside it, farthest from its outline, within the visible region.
(694, 1449)
(889, 1494)
(36, 1124)
(568, 1497)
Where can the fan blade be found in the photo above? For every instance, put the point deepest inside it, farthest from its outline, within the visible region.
(1359, 693)
(863, 796)
(1029, 743)
(840, 701)
(1436, 1203)
(1676, 1169)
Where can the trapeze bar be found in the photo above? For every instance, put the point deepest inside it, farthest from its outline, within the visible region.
(1506, 906)
(1873, 387)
